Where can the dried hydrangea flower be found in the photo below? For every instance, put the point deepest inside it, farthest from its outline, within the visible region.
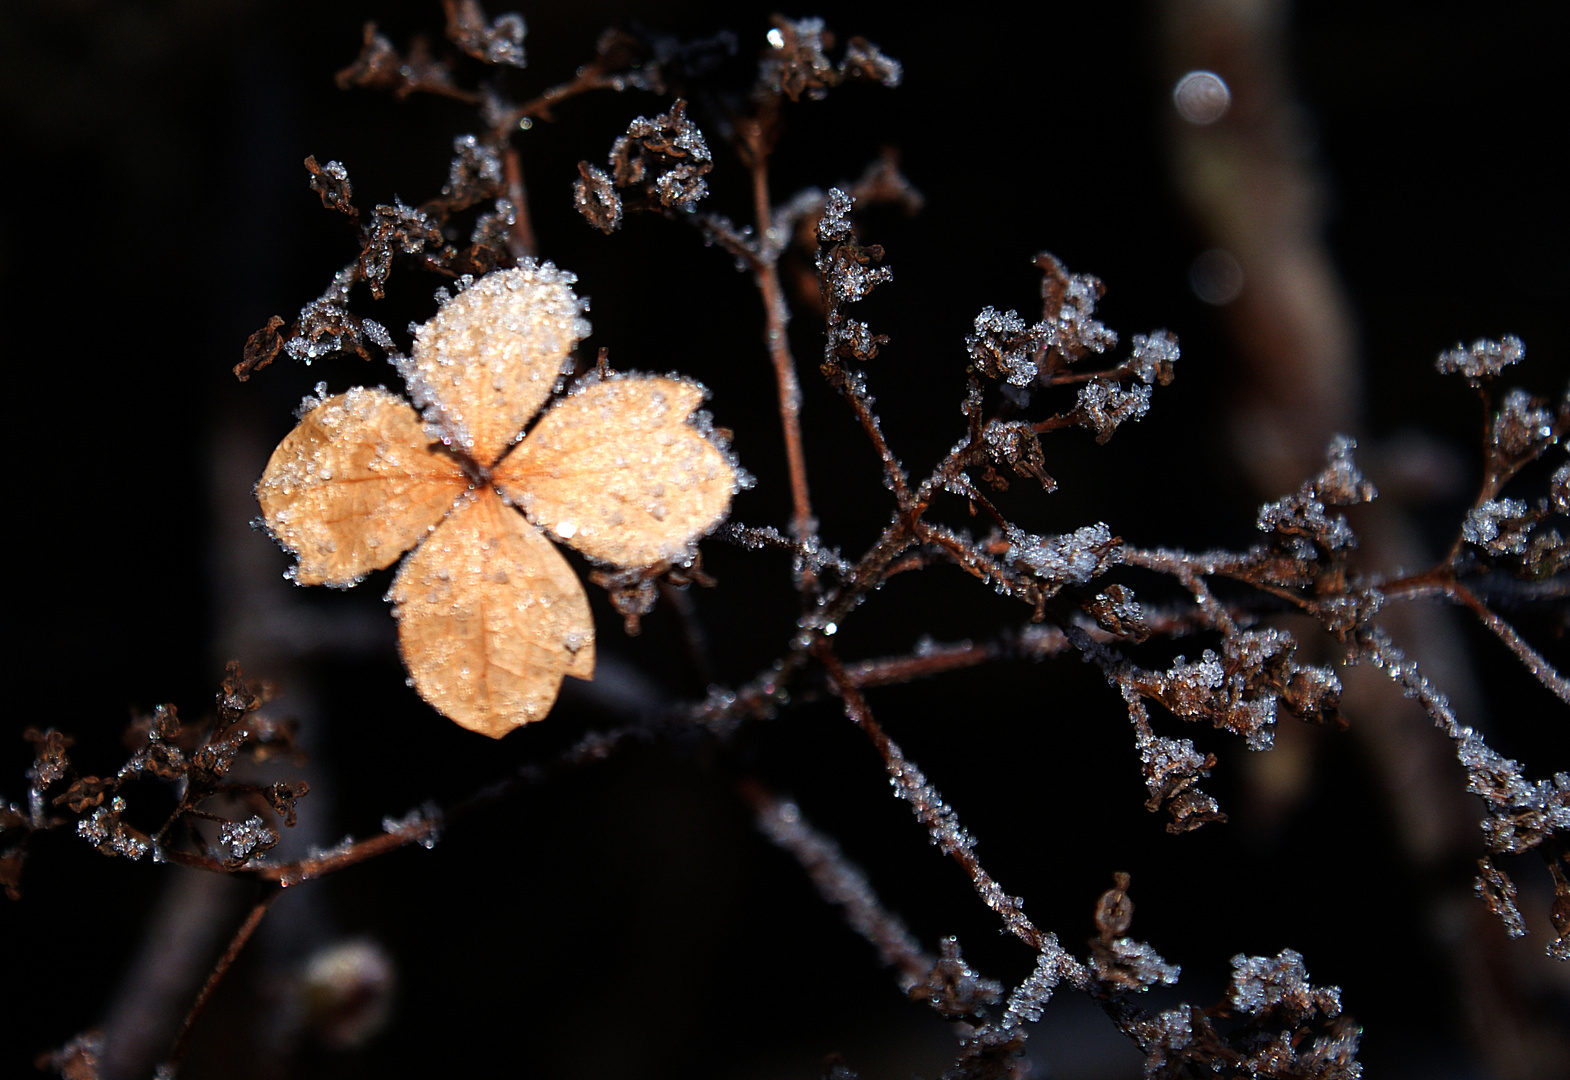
(490, 615)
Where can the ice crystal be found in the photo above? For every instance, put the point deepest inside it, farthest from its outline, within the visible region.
(1499, 526)
(245, 840)
(1498, 892)
(1031, 996)
(1071, 559)
(1069, 305)
(797, 65)
(1523, 424)
(1521, 813)
(1004, 346)
(1154, 356)
(1132, 965)
(1278, 986)
(665, 157)
(1484, 359)
(1103, 406)
(1304, 514)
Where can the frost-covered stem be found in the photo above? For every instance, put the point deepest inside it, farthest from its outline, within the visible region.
(1218, 615)
(868, 419)
(871, 570)
(1376, 645)
(1185, 567)
(760, 698)
(1053, 965)
(520, 235)
(967, 557)
(221, 968)
(415, 832)
(1033, 642)
(841, 882)
(941, 822)
(1540, 668)
(960, 485)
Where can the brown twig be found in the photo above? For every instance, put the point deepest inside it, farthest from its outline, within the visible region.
(776, 315)
(220, 969)
(1535, 662)
(520, 235)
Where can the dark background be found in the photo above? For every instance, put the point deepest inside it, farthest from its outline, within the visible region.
(627, 920)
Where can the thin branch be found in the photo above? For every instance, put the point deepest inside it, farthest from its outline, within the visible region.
(520, 236)
(220, 969)
(927, 804)
(1540, 668)
(776, 322)
(841, 882)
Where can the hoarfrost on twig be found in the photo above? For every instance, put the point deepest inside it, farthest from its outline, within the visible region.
(1483, 359)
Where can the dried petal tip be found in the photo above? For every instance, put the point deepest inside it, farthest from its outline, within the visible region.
(487, 361)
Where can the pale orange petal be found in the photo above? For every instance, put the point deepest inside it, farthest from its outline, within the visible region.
(486, 362)
(354, 486)
(617, 471)
(490, 617)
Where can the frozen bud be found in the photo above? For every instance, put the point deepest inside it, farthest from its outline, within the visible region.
(1499, 526)
(1484, 359)
(1523, 424)
(596, 198)
(1154, 357)
(245, 840)
(1004, 346)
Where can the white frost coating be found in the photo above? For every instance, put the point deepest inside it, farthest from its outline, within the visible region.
(1071, 559)
(1005, 344)
(1103, 406)
(1497, 526)
(1279, 984)
(426, 817)
(1154, 355)
(1031, 996)
(1483, 359)
(1522, 423)
(246, 839)
(1559, 489)
(104, 831)
(1138, 959)
(835, 223)
(342, 847)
